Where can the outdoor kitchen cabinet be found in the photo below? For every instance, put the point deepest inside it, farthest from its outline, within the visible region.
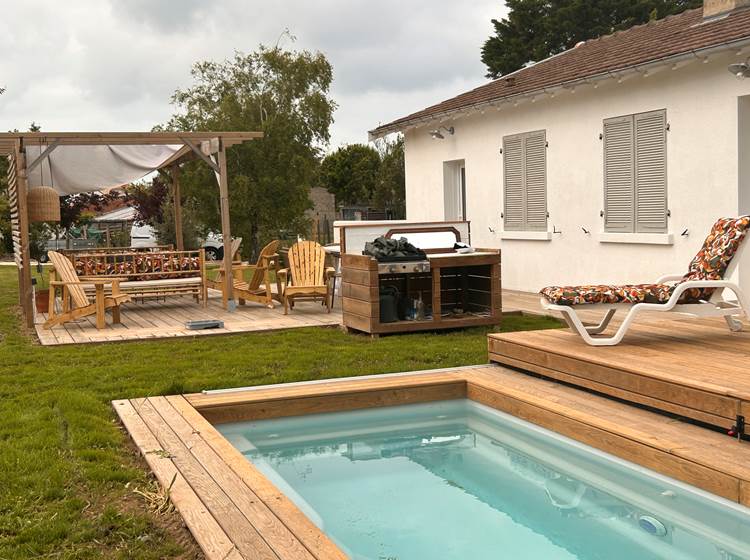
(460, 290)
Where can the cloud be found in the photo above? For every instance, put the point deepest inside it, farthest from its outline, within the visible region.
(98, 65)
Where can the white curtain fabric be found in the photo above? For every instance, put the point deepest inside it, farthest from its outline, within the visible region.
(77, 169)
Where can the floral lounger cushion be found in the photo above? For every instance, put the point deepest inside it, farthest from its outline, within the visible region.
(710, 263)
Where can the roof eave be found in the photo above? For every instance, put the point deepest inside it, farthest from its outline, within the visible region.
(697, 54)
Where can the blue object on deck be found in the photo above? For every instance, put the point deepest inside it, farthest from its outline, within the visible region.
(205, 324)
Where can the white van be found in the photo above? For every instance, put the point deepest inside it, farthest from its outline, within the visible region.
(145, 236)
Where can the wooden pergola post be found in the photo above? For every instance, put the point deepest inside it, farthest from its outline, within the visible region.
(226, 230)
(176, 194)
(24, 267)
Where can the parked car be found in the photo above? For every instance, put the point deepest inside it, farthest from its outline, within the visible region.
(145, 236)
(142, 236)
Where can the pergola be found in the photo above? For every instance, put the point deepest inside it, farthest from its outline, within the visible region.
(77, 162)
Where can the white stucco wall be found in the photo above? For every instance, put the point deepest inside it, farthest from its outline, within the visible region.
(703, 174)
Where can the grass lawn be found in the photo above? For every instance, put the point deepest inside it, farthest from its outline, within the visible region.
(68, 470)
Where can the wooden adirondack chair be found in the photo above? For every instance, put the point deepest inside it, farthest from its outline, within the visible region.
(310, 278)
(258, 288)
(72, 290)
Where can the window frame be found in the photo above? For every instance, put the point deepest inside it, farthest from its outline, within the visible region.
(634, 225)
(525, 225)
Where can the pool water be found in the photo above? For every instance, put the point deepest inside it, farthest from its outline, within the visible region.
(455, 479)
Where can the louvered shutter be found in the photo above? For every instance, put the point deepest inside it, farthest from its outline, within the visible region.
(651, 172)
(619, 182)
(513, 183)
(535, 167)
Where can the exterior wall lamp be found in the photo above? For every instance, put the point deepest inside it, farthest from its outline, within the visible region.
(741, 70)
(437, 135)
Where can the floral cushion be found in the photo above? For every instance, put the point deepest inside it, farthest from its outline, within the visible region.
(633, 293)
(713, 259)
(151, 266)
(710, 263)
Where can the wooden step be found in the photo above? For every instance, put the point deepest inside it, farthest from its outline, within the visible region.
(694, 368)
(696, 455)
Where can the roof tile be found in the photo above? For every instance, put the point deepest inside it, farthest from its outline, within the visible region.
(639, 45)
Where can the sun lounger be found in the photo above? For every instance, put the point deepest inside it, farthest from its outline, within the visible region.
(697, 293)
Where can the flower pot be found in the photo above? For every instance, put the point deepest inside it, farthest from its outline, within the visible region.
(42, 301)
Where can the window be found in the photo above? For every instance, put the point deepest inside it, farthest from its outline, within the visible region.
(635, 173)
(525, 181)
(454, 190)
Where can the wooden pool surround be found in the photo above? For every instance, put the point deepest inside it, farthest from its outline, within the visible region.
(234, 512)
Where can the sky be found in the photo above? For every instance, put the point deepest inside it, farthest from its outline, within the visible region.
(83, 65)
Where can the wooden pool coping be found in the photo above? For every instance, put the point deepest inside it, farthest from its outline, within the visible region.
(234, 512)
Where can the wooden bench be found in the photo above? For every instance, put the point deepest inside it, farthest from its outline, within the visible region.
(70, 253)
(142, 275)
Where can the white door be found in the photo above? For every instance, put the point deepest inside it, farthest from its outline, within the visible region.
(454, 190)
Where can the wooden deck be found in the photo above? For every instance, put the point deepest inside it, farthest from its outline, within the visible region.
(166, 319)
(234, 512)
(694, 368)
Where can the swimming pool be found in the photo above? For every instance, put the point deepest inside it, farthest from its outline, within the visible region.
(456, 479)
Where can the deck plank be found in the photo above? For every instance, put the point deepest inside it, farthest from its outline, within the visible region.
(212, 539)
(283, 542)
(231, 519)
(298, 523)
(326, 397)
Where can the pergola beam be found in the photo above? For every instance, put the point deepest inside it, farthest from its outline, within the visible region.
(197, 151)
(8, 139)
(48, 150)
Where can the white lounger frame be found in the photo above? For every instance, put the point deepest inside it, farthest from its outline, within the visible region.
(714, 307)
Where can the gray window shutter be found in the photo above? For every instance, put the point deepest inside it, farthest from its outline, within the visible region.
(513, 183)
(619, 181)
(535, 160)
(651, 172)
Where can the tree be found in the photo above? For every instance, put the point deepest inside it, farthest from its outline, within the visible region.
(154, 205)
(351, 173)
(282, 93)
(78, 210)
(148, 200)
(390, 190)
(537, 29)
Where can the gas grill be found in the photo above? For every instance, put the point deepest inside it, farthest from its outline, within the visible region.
(403, 267)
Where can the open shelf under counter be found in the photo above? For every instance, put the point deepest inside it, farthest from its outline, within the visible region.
(467, 282)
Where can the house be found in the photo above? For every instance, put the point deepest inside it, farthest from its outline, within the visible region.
(322, 214)
(606, 163)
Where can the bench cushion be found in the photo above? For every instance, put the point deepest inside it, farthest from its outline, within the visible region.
(162, 283)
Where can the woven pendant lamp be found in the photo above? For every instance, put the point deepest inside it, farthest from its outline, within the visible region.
(43, 204)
